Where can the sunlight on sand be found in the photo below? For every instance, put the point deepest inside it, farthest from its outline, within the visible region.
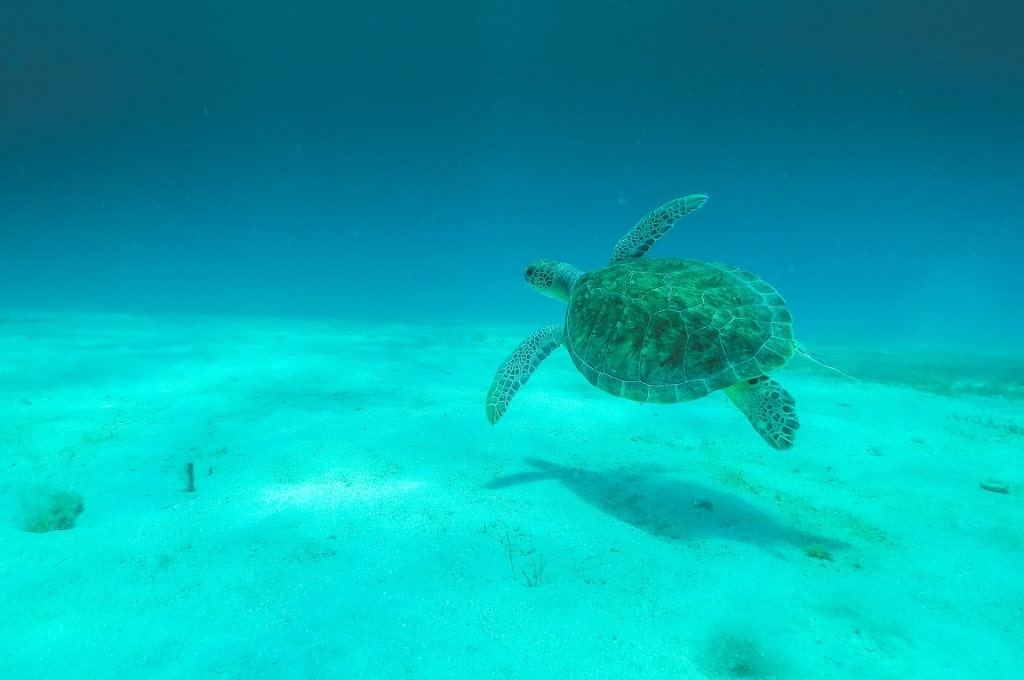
(333, 494)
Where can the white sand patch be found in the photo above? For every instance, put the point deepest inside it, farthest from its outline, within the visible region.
(354, 515)
(333, 494)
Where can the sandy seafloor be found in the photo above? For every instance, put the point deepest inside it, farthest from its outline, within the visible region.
(354, 515)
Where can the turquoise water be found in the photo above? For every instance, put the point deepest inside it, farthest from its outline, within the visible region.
(286, 245)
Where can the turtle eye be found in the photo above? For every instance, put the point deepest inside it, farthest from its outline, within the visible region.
(529, 271)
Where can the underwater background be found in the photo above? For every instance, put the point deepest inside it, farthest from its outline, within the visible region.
(404, 160)
(259, 262)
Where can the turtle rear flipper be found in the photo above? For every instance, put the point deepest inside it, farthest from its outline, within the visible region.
(769, 408)
(803, 351)
(518, 367)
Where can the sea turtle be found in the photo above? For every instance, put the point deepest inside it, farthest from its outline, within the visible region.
(664, 330)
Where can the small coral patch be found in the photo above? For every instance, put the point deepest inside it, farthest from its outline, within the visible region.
(52, 511)
(818, 552)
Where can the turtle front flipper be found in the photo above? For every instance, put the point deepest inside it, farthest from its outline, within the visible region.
(769, 408)
(653, 226)
(518, 367)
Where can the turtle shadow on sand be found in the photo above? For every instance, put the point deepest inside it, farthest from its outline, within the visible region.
(670, 508)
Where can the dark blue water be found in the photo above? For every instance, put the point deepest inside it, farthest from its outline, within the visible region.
(404, 160)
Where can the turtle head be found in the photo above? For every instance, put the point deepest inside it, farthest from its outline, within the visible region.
(552, 278)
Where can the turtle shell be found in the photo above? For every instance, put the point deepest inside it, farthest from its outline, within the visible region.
(668, 330)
